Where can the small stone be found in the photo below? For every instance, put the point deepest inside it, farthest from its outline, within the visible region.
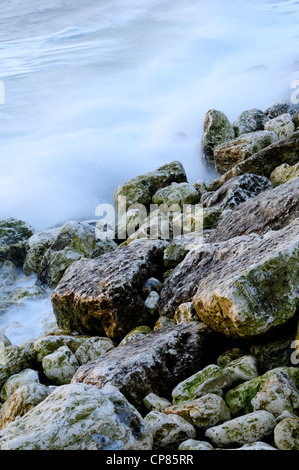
(191, 444)
(150, 285)
(251, 120)
(283, 126)
(12, 361)
(135, 334)
(217, 129)
(243, 430)
(200, 187)
(14, 235)
(93, 348)
(257, 446)
(168, 431)
(174, 254)
(284, 173)
(27, 376)
(279, 108)
(229, 356)
(185, 313)
(155, 403)
(60, 366)
(164, 322)
(152, 302)
(176, 193)
(48, 344)
(243, 369)
(286, 434)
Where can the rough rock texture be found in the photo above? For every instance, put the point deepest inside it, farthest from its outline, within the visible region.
(176, 193)
(238, 190)
(155, 403)
(168, 431)
(153, 365)
(283, 126)
(231, 153)
(242, 287)
(264, 162)
(270, 210)
(217, 129)
(243, 430)
(279, 108)
(141, 188)
(286, 434)
(14, 234)
(37, 247)
(21, 401)
(191, 444)
(284, 173)
(251, 120)
(93, 348)
(259, 445)
(136, 334)
(46, 345)
(14, 360)
(104, 295)
(27, 376)
(79, 417)
(243, 369)
(74, 241)
(60, 366)
(204, 412)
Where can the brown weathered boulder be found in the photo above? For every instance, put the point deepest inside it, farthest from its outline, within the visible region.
(264, 162)
(270, 210)
(153, 364)
(104, 295)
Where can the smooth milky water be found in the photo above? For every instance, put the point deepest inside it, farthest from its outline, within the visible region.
(97, 92)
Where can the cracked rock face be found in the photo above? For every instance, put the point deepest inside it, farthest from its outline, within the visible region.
(154, 364)
(104, 295)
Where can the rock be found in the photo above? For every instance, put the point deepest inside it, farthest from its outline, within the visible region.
(79, 417)
(243, 369)
(263, 162)
(14, 234)
(277, 395)
(243, 287)
(38, 244)
(21, 401)
(176, 193)
(185, 313)
(284, 173)
(154, 365)
(164, 322)
(257, 446)
(103, 295)
(295, 119)
(92, 348)
(139, 190)
(229, 356)
(231, 153)
(203, 413)
(74, 241)
(286, 434)
(191, 444)
(4, 341)
(243, 430)
(212, 379)
(168, 431)
(46, 345)
(27, 376)
(150, 285)
(211, 217)
(284, 415)
(200, 187)
(151, 303)
(255, 290)
(238, 190)
(27, 293)
(270, 210)
(279, 108)
(155, 403)
(239, 398)
(60, 366)
(217, 129)
(283, 126)
(249, 121)
(174, 253)
(12, 361)
(135, 334)
(9, 273)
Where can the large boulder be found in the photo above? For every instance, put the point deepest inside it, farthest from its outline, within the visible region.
(271, 210)
(79, 417)
(14, 235)
(153, 364)
(104, 295)
(217, 129)
(265, 161)
(251, 120)
(238, 190)
(242, 287)
(74, 241)
(231, 153)
(139, 190)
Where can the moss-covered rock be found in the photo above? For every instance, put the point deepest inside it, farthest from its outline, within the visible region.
(176, 193)
(135, 334)
(229, 356)
(93, 348)
(212, 379)
(284, 173)
(79, 417)
(217, 129)
(192, 444)
(46, 345)
(38, 244)
(27, 376)
(164, 322)
(155, 403)
(185, 313)
(283, 126)
(13, 359)
(243, 369)
(14, 235)
(60, 366)
(286, 434)
(278, 108)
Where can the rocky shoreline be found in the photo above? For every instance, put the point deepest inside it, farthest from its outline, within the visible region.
(163, 342)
